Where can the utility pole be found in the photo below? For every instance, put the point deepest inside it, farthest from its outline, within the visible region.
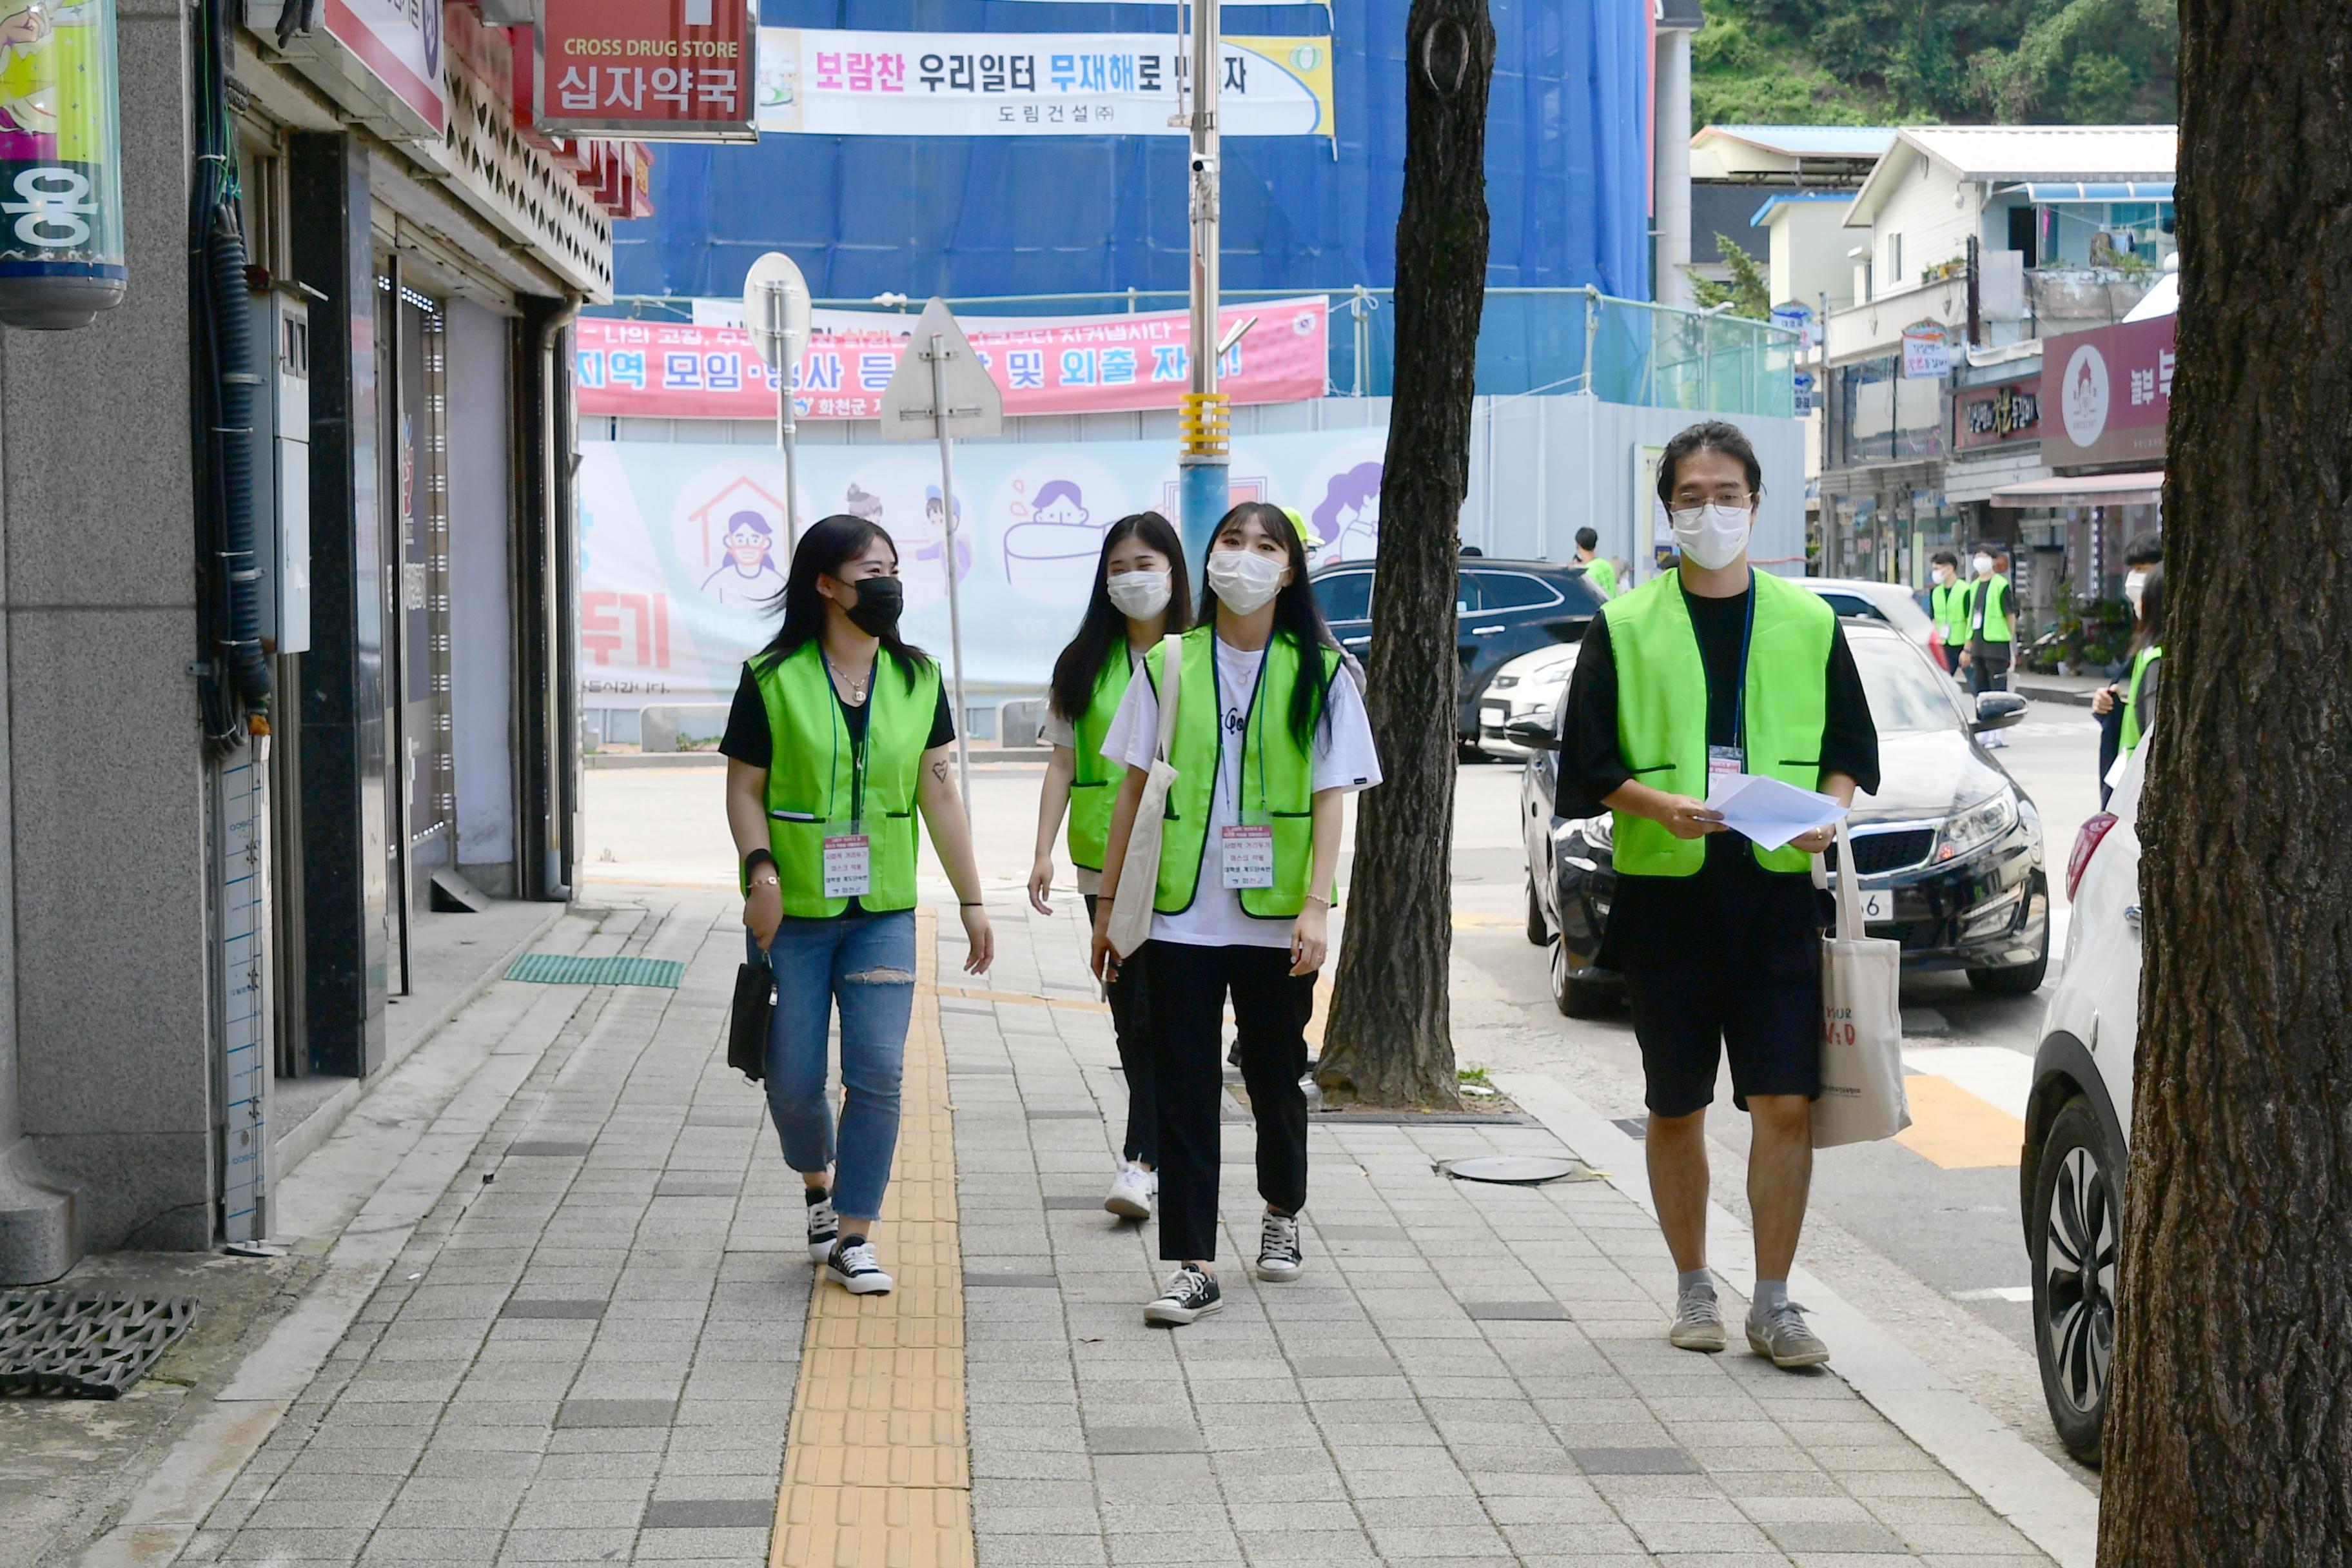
(939, 354)
(1205, 423)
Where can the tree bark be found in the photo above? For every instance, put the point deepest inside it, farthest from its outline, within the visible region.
(2229, 1436)
(1390, 1040)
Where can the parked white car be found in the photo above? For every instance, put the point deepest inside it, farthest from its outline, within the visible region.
(1531, 685)
(1889, 602)
(2078, 1122)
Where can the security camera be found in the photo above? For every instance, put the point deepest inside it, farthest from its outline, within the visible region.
(1203, 165)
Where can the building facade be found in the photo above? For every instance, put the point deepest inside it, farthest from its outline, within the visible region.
(211, 892)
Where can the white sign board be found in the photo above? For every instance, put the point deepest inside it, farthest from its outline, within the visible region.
(909, 410)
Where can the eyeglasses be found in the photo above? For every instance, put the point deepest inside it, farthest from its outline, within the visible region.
(1685, 498)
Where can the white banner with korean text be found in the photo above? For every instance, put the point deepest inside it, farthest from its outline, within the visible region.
(838, 83)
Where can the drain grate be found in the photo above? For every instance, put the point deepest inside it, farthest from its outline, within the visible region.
(86, 1347)
(567, 969)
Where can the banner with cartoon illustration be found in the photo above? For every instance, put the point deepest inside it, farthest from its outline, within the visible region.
(1078, 365)
(682, 546)
(835, 83)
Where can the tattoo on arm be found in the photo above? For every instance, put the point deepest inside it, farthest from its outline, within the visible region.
(939, 771)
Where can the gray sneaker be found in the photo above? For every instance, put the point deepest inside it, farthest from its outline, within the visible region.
(1698, 1322)
(1782, 1335)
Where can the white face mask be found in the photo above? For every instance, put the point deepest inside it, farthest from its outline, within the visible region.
(2134, 585)
(1245, 580)
(1711, 536)
(1982, 565)
(1139, 595)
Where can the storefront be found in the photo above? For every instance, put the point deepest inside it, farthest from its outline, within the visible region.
(1885, 506)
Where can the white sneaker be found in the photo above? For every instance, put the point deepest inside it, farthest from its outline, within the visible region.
(1132, 1191)
(1278, 1257)
(851, 1266)
(823, 1225)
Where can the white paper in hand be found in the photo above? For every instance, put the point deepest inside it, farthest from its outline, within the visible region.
(1767, 811)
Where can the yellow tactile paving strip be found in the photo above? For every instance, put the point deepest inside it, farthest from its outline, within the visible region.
(877, 1467)
(1955, 1129)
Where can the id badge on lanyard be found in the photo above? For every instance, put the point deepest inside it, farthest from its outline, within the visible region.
(1246, 852)
(848, 860)
(1725, 761)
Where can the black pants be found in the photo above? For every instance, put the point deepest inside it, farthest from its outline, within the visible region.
(1130, 1020)
(1271, 1006)
(1988, 666)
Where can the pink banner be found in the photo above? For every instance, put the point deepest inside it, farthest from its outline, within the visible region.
(1083, 364)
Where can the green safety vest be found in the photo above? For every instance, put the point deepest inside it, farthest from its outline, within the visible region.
(1996, 619)
(2140, 662)
(1277, 776)
(813, 777)
(1951, 603)
(1662, 709)
(1095, 778)
(1602, 575)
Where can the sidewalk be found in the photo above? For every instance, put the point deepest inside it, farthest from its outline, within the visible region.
(608, 1353)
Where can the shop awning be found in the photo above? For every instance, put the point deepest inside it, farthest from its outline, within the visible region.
(2086, 489)
(2049, 193)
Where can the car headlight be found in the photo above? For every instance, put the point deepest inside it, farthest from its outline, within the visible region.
(1502, 683)
(1979, 826)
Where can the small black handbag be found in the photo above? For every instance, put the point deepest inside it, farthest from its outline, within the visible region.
(747, 1020)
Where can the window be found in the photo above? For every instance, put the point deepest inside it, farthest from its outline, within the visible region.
(1505, 590)
(1896, 277)
(1345, 596)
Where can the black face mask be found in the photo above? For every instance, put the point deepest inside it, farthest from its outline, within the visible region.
(880, 601)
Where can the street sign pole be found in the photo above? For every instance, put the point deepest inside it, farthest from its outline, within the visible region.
(941, 390)
(776, 314)
(787, 424)
(938, 354)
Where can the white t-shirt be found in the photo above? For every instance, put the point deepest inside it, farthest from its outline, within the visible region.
(1343, 757)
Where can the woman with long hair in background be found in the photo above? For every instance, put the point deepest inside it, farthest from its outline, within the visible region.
(839, 734)
(1140, 595)
(1269, 739)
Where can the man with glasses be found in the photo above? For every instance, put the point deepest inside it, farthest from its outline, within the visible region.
(1715, 668)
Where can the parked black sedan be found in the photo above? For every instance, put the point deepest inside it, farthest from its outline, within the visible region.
(1948, 851)
(1502, 609)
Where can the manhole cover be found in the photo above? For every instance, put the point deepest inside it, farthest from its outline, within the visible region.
(1518, 1170)
(87, 1347)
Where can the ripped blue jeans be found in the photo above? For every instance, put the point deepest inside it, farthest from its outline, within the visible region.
(867, 965)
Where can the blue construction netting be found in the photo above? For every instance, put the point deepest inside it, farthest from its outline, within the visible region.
(1566, 161)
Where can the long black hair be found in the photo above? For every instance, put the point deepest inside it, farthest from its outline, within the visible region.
(1296, 615)
(829, 543)
(1104, 629)
(2150, 630)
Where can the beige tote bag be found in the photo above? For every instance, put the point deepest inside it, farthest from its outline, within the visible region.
(1862, 1096)
(1138, 874)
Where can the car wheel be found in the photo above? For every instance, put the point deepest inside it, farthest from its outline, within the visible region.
(1575, 999)
(2027, 978)
(1538, 929)
(2075, 1228)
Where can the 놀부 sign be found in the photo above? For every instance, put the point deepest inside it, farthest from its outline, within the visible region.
(1996, 416)
(1074, 364)
(2111, 393)
(1031, 84)
(669, 70)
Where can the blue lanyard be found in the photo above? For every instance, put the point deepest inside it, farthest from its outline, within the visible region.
(1738, 692)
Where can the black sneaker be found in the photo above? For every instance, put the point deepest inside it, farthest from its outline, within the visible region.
(824, 1225)
(850, 1266)
(1190, 1294)
(1278, 1257)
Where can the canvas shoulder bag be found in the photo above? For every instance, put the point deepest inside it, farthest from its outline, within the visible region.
(1138, 874)
(1862, 1097)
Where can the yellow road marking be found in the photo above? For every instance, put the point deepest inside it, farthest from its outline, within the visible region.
(977, 994)
(1957, 1129)
(877, 1467)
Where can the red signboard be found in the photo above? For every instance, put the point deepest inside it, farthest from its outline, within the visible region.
(674, 71)
(1997, 415)
(2109, 392)
(1083, 364)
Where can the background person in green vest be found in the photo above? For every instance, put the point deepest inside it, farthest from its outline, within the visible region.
(1947, 602)
(1140, 595)
(2140, 554)
(1270, 738)
(1597, 572)
(839, 734)
(1716, 668)
(2133, 698)
(1993, 609)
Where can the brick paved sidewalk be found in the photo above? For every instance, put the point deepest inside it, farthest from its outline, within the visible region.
(1466, 1373)
(595, 1357)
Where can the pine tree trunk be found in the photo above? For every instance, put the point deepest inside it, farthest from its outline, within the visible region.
(1389, 1041)
(2229, 1434)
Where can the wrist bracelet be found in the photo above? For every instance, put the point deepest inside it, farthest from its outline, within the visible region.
(974, 904)
(1320, 899)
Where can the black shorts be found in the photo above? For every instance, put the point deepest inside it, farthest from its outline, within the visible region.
(1685, 1015)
